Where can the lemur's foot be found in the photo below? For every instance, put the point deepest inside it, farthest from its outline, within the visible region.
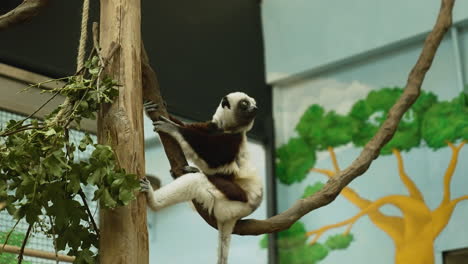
(185, 170)
(145, 185)
(165, 127)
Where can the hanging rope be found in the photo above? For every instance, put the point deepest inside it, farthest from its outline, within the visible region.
(83, 35)
(80, 57)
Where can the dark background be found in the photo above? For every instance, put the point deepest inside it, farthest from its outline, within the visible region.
(200, 49)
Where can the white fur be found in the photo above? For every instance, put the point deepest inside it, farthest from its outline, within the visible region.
(196, 186)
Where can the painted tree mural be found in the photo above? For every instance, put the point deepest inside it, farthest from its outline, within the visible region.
(429, 122)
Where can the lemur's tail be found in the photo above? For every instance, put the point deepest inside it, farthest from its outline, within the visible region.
(225, 231)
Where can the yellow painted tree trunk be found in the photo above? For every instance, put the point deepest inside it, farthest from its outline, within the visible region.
(414, 232)
(416, 250)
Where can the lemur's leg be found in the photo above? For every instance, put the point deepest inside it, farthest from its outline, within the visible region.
(191, 186)
(224, 239)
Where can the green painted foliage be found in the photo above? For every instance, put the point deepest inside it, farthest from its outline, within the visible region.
(15, 239)
(322, 130)
(446, 122)
(294, 160)
(312, 189)
(372, 111)
(339, 241)
(293, 247)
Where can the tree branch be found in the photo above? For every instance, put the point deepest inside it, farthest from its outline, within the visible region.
(370, 152)
(392, 225)
(331, 151)
(22, 13)
(25, 240)
(350, 222)
(409, 184)
(88, 211)
(174, 153)
(450, 170)
(459, 199)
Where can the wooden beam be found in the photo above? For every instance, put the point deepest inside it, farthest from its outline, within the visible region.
(124, 236)
(37, 253)
(13, 99)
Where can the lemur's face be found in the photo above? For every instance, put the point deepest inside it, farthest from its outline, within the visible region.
(236, 112)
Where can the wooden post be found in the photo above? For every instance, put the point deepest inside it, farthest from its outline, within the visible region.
(124, 237)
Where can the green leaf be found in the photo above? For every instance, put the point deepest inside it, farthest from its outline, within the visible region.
(294, 160)
(106, 200)
(312, 189)
(85, 142)
(96, 176)
(340, 241)
(94, 71)
(264, 242)
(50, 132)
(126, 196)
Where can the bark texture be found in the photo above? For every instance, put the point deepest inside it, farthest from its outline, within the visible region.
(124, 237)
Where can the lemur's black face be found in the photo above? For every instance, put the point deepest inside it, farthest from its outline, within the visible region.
(245, 110)
(236, 112)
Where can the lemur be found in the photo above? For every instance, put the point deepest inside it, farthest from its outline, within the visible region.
(228, 186)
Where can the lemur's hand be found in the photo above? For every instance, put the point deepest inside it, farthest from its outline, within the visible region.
(165, 127)
(150, 106)
(145, 185)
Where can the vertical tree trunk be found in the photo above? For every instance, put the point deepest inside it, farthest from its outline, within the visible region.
(124, 237)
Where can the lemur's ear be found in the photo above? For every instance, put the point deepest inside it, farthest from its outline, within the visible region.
(225, 102)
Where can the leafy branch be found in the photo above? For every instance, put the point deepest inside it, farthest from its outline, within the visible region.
(40, 176)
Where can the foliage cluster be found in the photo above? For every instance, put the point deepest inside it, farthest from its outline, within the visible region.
(40, 176)
(294, 249)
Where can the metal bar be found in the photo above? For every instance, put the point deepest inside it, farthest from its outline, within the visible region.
(458, 60)
(272, 207)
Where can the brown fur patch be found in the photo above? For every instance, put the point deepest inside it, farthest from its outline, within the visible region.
(225, 183)
(216, 149)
